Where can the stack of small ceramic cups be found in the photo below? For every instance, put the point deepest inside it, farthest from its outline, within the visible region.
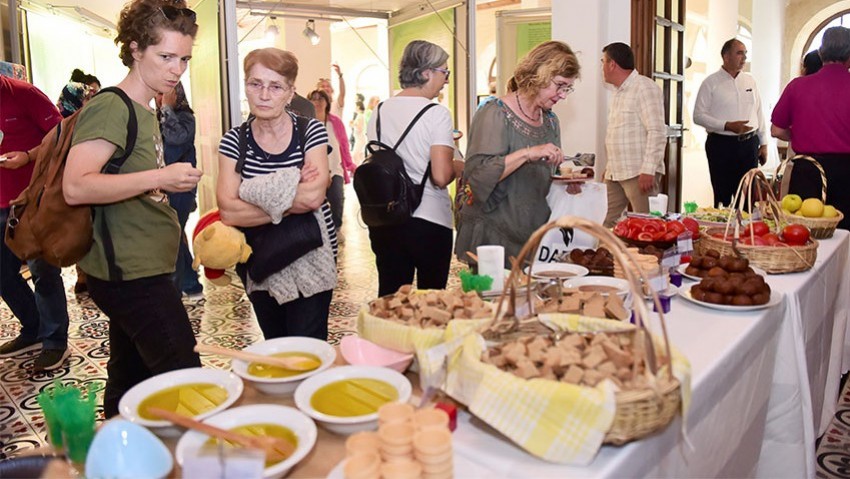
(409, 444)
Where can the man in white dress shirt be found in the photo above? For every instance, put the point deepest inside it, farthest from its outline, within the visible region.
(636, 136)
(729, 107)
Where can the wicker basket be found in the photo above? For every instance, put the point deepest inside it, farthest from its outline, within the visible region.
(638, 412)
(772, 259)
(821, 228)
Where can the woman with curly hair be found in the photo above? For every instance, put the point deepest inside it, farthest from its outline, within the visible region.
(513, 143)
(129, 269)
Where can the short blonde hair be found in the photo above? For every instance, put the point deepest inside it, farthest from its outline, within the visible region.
(546, 61)
(275, 59)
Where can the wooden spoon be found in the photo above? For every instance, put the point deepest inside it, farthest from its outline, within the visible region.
(276, 449)
(293, 363)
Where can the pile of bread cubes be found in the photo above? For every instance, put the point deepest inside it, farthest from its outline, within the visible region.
(577, 358)
(595, 305)
(430, 309)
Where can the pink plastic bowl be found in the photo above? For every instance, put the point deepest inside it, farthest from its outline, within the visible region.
(360, 352)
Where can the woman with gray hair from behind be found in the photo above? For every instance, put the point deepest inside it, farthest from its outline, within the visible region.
(423, 244)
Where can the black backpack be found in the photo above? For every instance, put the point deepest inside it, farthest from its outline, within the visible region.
(386, 193)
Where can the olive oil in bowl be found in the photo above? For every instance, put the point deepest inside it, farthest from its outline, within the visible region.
(266, 371)
(264, 430)
(186, 399)
(353, 397)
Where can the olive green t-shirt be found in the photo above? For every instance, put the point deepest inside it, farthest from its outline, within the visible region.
(144, 231)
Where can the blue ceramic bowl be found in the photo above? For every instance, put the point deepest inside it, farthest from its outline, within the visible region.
(122, 449)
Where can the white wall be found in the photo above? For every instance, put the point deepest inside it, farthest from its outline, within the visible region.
(587, 27)
(768, 30)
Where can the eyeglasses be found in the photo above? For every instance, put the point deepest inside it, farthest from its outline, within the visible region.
(275, 89)
(564, 88)
(444, 71)
(171, 12)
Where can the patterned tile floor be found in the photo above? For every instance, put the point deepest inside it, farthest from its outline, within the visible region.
(225, 317)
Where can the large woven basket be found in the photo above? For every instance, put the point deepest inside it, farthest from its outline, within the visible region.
(772, 259)
(821, 228)
(638, 412)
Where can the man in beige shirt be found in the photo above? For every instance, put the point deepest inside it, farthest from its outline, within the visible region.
(636, 136)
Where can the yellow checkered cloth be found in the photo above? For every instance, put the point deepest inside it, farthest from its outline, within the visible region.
(555, 421)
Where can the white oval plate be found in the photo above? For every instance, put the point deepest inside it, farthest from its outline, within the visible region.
(775, 298)
(303, 427)
(325, 352)
(682, 267)
(347, 425)
(129, 404)
(573, 270)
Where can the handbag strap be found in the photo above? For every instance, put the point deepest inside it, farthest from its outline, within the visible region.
(300, 128)
(404, 134)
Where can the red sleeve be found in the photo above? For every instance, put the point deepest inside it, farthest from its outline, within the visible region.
(42, 111)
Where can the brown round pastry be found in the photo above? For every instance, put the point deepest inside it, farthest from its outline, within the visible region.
(724, 262)
(712, 253)
(736, 275)
(707, 284)
(724, 287)
(698, 293)
(761, 298)
(708, 262)
(727, 298)
(738, 265)
(576, 256)
(717, 271)
(749, 288)
(696, 261)
(742, 300)
(714, 298)
(692, 271)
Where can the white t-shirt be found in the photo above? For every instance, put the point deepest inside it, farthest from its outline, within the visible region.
(334, 158)
(434, 128)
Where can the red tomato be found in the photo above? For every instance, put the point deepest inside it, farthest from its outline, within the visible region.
(771, 238)
(636, 222)
(620, 229)
(759, 228)
(676, 226)
(644, 236)
(634, 231)
(795, 235)
(652, 228)
(670, 236)
(753, 241)
(691, 225)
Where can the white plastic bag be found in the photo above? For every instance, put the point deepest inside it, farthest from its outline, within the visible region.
(591, 203)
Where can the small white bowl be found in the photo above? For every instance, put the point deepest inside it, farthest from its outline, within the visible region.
(302, 426)
(123, 450)
(563, 271)
(589, 282)
(129, 404)
(278, 386)
(360, 352)
(348, 425)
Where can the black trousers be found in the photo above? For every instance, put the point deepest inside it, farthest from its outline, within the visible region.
(417, 246)
(728, 161)
(149, 332)
(806, 182)
(299, 317)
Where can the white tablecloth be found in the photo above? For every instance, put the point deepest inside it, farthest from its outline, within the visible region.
(809, 361)
(731, 355)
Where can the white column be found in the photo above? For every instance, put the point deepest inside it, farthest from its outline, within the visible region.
(587, 27)
(723, 19)
(768, 30)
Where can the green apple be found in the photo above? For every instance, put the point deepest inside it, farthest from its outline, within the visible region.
(792, 202)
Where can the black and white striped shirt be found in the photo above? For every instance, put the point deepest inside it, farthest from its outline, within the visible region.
(259, 162)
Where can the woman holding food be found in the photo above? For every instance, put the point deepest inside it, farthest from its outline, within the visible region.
(514, 142)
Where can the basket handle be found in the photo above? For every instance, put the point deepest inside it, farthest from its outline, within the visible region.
(780, 172)
(635, 276)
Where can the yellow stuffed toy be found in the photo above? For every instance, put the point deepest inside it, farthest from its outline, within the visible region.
(218, 247)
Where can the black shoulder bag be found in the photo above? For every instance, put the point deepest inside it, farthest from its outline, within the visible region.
(276, 246)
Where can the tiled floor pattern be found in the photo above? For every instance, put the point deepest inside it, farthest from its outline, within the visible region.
(225, 317)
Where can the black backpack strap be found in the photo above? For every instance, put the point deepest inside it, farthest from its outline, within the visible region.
(301, 124)
(410, 125)
(112, 167)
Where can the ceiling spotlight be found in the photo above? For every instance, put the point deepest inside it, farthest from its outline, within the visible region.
(272, 31)
(310, 32)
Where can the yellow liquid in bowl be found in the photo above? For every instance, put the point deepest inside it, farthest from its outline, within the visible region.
(260, 430)
(353, 397)
(186, 399)
(267, 371)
